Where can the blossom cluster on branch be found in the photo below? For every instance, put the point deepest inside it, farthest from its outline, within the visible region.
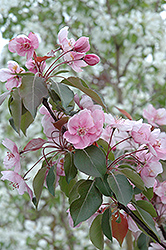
(121, 157)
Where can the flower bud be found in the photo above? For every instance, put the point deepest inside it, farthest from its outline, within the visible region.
(91, 59)
(82, 44)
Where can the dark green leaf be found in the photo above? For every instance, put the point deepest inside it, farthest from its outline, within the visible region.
(96, 234)
(91, 161)
(106, 223)
(80, 84)
(103, 186)
(51, 180)
(121, 187)
(73, 195)
(147, 206)
(65, 94)
(32, 91)
(104, 146)
(65, 187)
(15, 107)
(148, 193)
(88, 202)
(38, 183)
(26, 120)
(143, 242)
(146, 218)
(69, 168)
(133, 177)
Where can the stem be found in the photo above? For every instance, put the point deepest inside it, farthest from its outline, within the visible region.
(45, 103)
(141, 224)
(123, 156)
(109, 149)
(47, 71)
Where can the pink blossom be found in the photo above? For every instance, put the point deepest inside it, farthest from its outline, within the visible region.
(74, 59)
(91, 59)
(13, 157)
(84, 128)
(160, 190)
(141, 133)
(23, 45)
(17, 182)
(82, 45)
(119, 123)
(86, 102)
(47, 123)
(10, 75)
(157, 144)
(67, 44)
(155, 246)
(31, 66)
(149, 172)
(155, 116)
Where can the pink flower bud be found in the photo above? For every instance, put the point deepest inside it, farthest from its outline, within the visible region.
(91, 59)
(82, 45)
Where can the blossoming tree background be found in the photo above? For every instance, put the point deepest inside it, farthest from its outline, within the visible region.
(129, 38)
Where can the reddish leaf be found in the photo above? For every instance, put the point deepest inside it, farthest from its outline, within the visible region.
(34, 144)
(119, 230)
(124, 112)
(42, 58)
(61, 122)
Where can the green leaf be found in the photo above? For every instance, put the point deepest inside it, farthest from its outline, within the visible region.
(103, 186)
(38, 183)
(65, 94)
(87, 204)
(91, 161)
(80, 84)
(96, 234)
(65, 187)
(106, 223)
(15, 107)
(32, 91)
(121, 187)
(3, 96)
(143, 242)
(104, 146)
(148, 193)
(69, 168)
(146, 218)
(133, 177)
(147, 206)
(26, 120)
(73, 194)
(51, 180)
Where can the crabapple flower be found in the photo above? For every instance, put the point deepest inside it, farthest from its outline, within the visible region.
(155, 116)
(10, 75)
(149, 172)
(141, 133)
(157, 144)
(74, 59)
(17, 182)
(23, 45)
(91, 59)
(160, 190)
(82, 45)
(155, 246)
(86, 102)
(13, 157)
(84, 128)
(31, 66)
(66, 44)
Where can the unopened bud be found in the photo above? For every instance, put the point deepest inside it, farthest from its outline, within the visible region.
(91, 59)
(82, 45)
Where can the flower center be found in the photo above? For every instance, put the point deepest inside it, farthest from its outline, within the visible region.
(10, 155)
(26, 45)
(14, 185)
(82, 131)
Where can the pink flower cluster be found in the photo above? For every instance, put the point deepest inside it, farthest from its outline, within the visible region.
(13, 159)
(74, 51)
